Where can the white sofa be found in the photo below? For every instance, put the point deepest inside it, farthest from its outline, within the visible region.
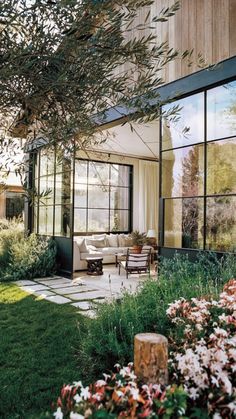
(99, 245)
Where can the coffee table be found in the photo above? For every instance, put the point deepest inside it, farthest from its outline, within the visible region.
(95, 266)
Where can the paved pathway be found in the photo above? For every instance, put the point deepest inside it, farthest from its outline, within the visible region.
(83, 292)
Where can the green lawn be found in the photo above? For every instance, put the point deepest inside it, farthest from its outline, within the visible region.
(38, 342)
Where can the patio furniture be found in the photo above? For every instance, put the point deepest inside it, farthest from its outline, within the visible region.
(136, 262)
(120, 257)
(95, 266)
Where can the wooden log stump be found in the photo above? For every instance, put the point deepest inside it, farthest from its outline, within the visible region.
(151, 358)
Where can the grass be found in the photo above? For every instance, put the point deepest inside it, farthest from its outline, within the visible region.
(38, 344)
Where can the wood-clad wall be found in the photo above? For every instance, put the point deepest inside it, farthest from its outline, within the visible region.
(207, 26)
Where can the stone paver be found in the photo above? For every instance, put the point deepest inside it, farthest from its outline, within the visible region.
(35, 287)
(58, 281)
(44, 293)
(58, 299)
(89, 295)
(24, 282)
(83, 305)
(73, 290)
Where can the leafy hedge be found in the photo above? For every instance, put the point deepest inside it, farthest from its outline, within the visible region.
(24, 257)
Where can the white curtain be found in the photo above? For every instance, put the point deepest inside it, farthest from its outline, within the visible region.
(148, 195)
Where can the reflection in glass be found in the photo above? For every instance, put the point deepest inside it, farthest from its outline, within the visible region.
(119, 220)
(63, 164)
(81, 172)
(119, 175)
(190, 117)
(80, 220)
(183, 172)
(98, 173)
(47, 159)
(221, 111)
(221, 168)
(63, 188)
(221, 223)
(184, 223)
(98, 220)
(80, 195)
(119, 198)
(46, 186)
(98, 196)
(62, 220)
(45, 220)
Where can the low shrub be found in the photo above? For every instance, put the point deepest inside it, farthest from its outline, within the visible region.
(202, 371)
(31, 257)
(109, 338)
(24, 257)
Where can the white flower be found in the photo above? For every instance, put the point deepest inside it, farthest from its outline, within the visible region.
(76, 416)
(77, 398)
(100, 383)
(119, 393)
(217, 416)
(135, 393)
(106, 376)
(85, 393)
(58, 414)
(193, 393)
(232, 407)
(77, 384)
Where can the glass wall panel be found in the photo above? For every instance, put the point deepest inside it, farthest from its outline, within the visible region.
(183, 223)
(221, 223)
(119, 175)
(98, 196)
(46, 187)
(187, 126)
(81, 172)
(119, 220)
(45, 220)
(98, 220)
(221, 168)
(107, 207)
(183, 172)
(80, 217)
(63, 188)
(221, 111)
(119, 198)
(62, 220)
(47, 160)
(98, 173)
(80, 195)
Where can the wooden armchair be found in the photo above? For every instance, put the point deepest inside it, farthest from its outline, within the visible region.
(136, 262)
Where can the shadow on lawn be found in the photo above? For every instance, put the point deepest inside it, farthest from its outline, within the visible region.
(38, 344)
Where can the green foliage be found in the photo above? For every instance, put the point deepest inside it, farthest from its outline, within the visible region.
(109, 338)
(138, 238)
(24, 257)
(37, 352)
(10, 232)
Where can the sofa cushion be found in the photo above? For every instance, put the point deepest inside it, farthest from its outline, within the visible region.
(99, 243)
(112, 240)
(83, 256)
(81, 243)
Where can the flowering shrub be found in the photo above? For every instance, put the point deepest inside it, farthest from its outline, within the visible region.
(204, 362)
(118, 395)
(202, 371)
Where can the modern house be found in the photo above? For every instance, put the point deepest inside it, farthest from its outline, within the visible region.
(11, 196)
(177, 177)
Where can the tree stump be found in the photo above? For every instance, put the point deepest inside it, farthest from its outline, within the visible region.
(151, 358)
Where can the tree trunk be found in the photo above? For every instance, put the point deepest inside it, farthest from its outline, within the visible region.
(151, 358)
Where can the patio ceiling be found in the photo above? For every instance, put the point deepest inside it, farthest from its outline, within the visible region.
(141, 141)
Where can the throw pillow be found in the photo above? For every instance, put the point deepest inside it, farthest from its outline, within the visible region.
(96, 242)
(82, 245)
(112, 240)
(125, 240)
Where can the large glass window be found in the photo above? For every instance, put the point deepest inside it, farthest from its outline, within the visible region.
(198, 181)
(53, 186)
(186, 125)
(102, 197)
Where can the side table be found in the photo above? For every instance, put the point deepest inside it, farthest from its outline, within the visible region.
(95, 266)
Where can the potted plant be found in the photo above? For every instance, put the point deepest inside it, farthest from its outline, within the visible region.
(138, 241)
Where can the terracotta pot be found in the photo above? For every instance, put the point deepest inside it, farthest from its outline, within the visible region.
(136, 249)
